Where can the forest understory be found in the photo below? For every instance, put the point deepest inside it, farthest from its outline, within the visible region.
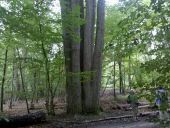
(113, 111)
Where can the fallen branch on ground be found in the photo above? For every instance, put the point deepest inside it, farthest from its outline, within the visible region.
(145, 114)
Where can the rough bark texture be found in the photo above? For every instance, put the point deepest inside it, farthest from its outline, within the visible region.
(81, 56)
(75, 64)
(87, 54)
(82, 10)
(72, 56)
(97, 57)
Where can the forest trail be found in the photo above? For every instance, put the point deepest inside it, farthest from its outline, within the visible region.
(139, 124)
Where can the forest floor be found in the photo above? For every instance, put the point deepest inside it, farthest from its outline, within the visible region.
(139, 124)
(110, 108)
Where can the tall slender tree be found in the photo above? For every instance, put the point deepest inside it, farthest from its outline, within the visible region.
(3, 78)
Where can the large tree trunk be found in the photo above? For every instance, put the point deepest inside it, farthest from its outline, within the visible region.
(72, 55)
(82, 10)
(65, 9)
(97, 57)
(85, 58)
(75, 64)
(82, 14)
(87, 54)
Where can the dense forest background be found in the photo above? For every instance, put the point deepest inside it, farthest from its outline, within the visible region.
(82, 50)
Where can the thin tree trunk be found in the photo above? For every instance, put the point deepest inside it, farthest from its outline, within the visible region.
(114, 79)
(129, 73)
(22, 81)
(13, 83)
(17, 80)
(33, 90)
(120, 77)
(124, 79)
(3, 79)
(49, 96)
(49, 99)
(107, 82)
(38, 83)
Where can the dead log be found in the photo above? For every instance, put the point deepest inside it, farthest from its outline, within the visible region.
(122, 106)
(24, 120)
(140, 107)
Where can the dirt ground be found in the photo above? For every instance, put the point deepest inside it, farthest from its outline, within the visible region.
(139, 124)
(110, 108)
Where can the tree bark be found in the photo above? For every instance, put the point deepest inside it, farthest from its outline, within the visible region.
(3, 79)
(17, 80)
(87, 54)
(120, 76)
(97, 57)
(13, 82)
(49, 93)
(82, 10)
(114, 78)
(75, 64)
(83, 58)
(129, 73)
(124, 79)
(34, 90)
(72, 55)
(82, 27)
(22, 80)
